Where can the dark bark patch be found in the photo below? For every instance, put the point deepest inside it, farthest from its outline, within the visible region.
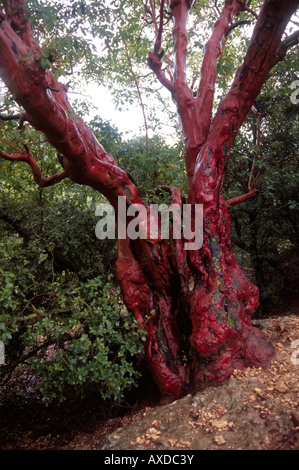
(14, 48)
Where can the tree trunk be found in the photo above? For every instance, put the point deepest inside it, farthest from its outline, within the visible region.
(223, 299)
(194, 305)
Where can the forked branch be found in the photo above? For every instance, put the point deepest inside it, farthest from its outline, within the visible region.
(206, 88)
(264, 51)
(28, 158)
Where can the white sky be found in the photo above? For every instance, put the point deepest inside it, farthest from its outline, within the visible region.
(128, 120)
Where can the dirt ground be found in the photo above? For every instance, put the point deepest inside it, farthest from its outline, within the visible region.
(254, 409)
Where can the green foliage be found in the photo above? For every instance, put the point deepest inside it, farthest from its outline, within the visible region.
(60, 307)
(153, 166)
(150, 167)
(61, 311)
(93, 342)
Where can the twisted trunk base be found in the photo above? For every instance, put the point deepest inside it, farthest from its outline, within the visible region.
(196, 336)
(195, 306)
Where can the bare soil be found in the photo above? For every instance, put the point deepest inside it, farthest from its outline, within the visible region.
(254, 409)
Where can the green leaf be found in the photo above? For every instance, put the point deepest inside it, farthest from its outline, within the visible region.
(26, 57)
(44, 63)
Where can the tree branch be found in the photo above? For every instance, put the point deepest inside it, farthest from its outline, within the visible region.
(155, 65)
(12, 117)
(10, 145)
(28, 158)
(160, 30)
(238, 199)
(237, 24)
(258, 144)
(139, 93)
(15, 12)
(206, 88)
(287, 44)
(154, 59)
(195, 113)
(250, 11)
(260, 58)
(84, 159)
(153, 13)
(180, 10)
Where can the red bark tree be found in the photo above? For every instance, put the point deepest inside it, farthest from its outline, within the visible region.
(202, 300)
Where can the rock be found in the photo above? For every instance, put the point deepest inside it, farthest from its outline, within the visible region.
(220, 424)
(280, 386)
(219, 440)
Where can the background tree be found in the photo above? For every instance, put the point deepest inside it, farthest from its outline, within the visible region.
(270, 242)
(195, 307)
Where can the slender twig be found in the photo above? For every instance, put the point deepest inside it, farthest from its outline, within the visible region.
(250, 11)
(9, 144)
(154, 15)
(20, 314)
(139, 93)
(285, 45)
(292, 40)
(160, 30)
(11, 117)
(258, 144)
(216, 6)
(237, 24)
